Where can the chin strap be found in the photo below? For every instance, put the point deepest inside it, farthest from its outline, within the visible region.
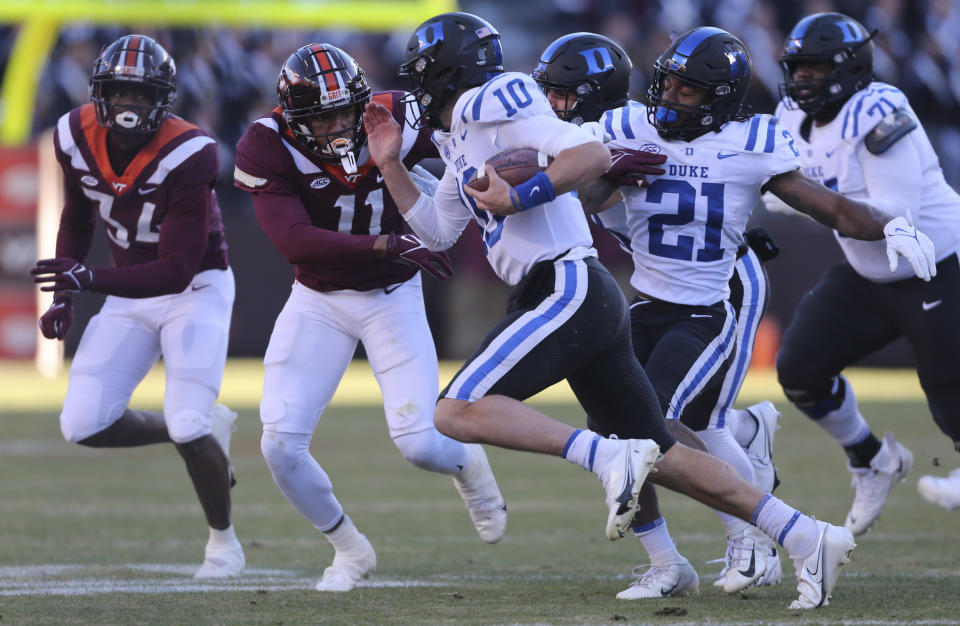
(348, 160)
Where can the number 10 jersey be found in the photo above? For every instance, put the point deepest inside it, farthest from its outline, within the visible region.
(685, 226)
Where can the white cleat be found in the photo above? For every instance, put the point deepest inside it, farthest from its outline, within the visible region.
(818, 573)
(941, 491)
(760, 449)
(348, 568)
(222, 561)
(773, 575)
(746, 559)
(479, 490)
(873, 484)
(662, 581)
(222, 426)
(622, 479)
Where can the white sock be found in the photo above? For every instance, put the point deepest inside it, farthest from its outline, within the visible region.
(225, 537)
(589, 450)
(787, 526)
(845, 423)
(657, 541)
(345, 537)
(742, 425)
(721, 443)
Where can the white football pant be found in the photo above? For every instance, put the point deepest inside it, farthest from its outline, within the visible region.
(124, 340)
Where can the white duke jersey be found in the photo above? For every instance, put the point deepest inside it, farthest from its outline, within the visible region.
(508, 111)
(685, 226)
(906, 176)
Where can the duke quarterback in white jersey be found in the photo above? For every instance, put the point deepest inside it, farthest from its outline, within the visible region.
(861, 137)
(568, 318)
(583, 76)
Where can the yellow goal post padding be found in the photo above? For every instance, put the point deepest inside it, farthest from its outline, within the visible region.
(41, 19)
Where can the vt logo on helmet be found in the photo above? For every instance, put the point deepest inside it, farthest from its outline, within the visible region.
(592, 69)
(712, 60)
(136, 70)
(841, 43)
(322, 92)
(447, 53)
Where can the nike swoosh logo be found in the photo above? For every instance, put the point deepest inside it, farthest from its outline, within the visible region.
(726, 155)
(199, 287)
(817, 574)
(534, 190)
(463, 135)
(667, 592)
(750, 571)
(144, 192)
(699, 315)
(379, 178)
(900, 230)
(930, 305)
(830, 154)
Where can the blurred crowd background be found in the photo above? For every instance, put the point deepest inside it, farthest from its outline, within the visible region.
(227, 78)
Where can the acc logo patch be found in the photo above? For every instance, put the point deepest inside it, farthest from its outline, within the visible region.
(319, 183)
(89, 181)
(650, 147)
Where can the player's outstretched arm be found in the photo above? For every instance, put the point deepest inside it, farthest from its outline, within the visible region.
(857, 220)
(384, 138)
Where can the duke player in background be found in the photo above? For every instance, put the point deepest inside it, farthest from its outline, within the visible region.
(150, 177)
(568, 318)
(685, 229)
(860, 137)
(321, 201)
(584, 75)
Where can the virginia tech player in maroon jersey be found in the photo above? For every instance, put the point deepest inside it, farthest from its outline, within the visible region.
(149, 175)
(322, 202)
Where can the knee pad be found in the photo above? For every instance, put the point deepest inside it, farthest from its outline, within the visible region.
(816, 401)
(431, 451)
(186, 425)
(284, 452)
(88, 409)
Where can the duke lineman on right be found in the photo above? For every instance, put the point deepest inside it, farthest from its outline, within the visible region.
(860, 137)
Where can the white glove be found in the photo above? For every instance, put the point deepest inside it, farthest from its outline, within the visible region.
(595, 129)
(903, 239)
(426, 182)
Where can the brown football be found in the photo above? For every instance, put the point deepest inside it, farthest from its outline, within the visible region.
(514, 166)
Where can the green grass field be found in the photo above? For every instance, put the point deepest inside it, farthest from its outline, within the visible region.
(110, 537)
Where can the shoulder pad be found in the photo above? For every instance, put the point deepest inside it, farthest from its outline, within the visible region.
(504, 98)
(891, 128)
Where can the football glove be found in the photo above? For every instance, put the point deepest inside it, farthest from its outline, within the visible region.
(410, 250)
(630, 166)
(55, 322)
(903, 239)
(62, 274)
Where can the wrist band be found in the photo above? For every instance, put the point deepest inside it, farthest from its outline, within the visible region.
(534, 192)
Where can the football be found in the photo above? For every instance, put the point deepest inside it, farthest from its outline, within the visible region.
(514, 166)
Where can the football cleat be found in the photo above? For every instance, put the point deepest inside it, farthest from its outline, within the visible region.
(622, 479)
(942, 491)
(349, 567)
(479, 490)
(873, 484)
(222, 561)
(773, 575)
(677, 578)
(746, 559)
(222, 426)
(818, 572)
(760, 449)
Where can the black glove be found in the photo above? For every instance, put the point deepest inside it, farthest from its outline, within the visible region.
(762, 243)
(55, 323)
(410, 250)
(62, 274)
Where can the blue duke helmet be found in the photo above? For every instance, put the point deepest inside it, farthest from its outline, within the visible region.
(709, 58)
(592, 67)
(448, 53)
(831, 38)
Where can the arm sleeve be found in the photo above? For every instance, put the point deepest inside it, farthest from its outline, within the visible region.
(440, 220)
(288, 227)
(548, 134)
(892, 178)
(77, 220)
(182, 241)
